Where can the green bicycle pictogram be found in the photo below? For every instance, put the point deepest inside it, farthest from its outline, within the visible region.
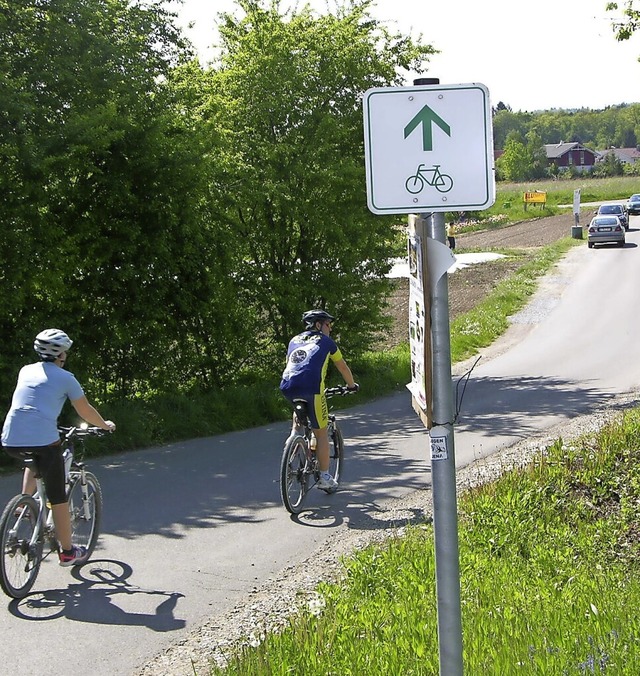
(428, 176)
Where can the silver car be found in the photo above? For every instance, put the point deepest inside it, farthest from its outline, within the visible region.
(605, 230)
(618, 210)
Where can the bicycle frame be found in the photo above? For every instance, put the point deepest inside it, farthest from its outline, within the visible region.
(27, 524)
(299, 463)
(44, 526)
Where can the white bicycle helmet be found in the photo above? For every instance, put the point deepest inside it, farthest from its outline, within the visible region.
(51, 343)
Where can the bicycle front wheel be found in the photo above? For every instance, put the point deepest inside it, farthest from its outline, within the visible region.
(85, 508)
(294, 475)
(20, 561)
(336, 451)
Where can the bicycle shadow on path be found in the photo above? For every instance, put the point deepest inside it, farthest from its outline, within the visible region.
(361, 516)
(97, 598)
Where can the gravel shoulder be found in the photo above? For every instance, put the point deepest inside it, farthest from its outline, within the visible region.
(272, 602)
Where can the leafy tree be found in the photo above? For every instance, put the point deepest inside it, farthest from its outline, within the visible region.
(631, 22)
(519, 160)
(611, 166)
(103, 189)
(535, 148)
(506, 122)
(501, 106)
(292, 84)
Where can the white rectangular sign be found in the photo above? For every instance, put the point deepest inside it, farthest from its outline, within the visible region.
(428, 148)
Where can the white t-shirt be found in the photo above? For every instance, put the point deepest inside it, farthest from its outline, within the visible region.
(38, 399)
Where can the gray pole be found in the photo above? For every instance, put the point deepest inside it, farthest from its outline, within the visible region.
(443, 473)
(443, 461)
(443, 464)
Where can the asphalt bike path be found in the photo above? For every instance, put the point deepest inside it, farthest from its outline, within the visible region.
(191, 528)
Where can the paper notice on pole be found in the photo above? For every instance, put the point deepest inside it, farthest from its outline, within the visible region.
(417, 386)
(440, 259)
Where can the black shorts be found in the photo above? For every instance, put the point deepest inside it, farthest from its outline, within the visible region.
(49, 465)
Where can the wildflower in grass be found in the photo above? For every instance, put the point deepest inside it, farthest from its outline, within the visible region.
(255, 639)
(316, 604)
(470, 329)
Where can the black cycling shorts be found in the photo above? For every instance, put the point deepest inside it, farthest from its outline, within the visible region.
(49, 465)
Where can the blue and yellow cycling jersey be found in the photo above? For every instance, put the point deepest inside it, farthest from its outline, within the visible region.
(308, 357)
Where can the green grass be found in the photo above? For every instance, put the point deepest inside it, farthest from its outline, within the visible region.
(509, 204)
(549, 580)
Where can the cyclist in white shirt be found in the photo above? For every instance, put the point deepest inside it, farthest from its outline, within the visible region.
(31, 426)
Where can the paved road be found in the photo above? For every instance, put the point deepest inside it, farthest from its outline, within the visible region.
(190, 528)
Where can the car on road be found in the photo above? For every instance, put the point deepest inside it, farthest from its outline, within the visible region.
(605, 230)
(633, 204)
(618, 210)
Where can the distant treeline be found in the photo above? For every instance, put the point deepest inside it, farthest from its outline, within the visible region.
(617, 126)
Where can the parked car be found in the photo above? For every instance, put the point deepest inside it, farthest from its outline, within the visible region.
(633, 205)
(614, 210)
(605, 230)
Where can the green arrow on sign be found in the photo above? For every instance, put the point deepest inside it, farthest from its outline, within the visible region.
(426, 117)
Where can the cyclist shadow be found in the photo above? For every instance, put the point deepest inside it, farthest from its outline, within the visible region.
(97, 598)
(360, 515)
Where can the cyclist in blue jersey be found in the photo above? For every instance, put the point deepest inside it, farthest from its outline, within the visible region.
(31, 425)
(308, 357)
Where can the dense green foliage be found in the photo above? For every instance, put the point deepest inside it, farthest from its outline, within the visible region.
(290, 93)
(548, 573)
(176, 220)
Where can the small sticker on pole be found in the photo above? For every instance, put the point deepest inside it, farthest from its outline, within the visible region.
(439, 443)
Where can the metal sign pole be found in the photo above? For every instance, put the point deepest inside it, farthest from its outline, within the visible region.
(429, 149)
(443, 472)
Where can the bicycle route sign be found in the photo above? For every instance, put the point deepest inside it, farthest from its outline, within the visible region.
(428, 148)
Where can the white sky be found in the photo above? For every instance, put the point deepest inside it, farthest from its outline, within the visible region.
(531, 55)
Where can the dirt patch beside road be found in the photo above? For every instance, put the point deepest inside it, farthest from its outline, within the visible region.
(469, 286)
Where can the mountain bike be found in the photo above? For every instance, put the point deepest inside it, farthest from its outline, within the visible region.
(27, 533)
(299, 464)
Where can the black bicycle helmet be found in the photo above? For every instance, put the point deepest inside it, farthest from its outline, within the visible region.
(310, 317)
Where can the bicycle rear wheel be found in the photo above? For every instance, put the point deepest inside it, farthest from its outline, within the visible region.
(294, 475)
(336, 451)
(20, 561)
(85, 508)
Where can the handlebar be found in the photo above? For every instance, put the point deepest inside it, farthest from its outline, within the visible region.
(340, 390)
(70, 432)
